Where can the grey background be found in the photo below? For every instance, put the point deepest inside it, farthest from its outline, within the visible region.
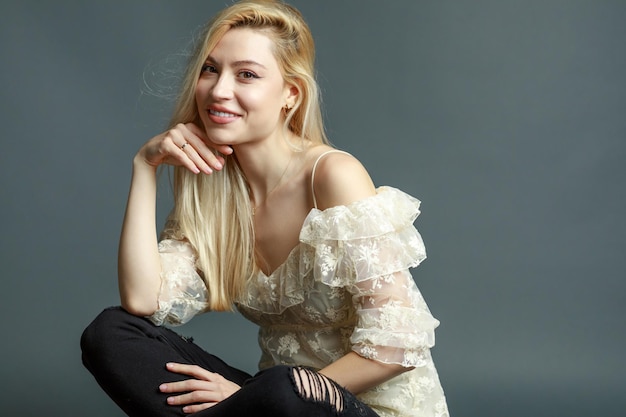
(506, 118)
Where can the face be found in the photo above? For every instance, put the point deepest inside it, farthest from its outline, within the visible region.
(241, 91)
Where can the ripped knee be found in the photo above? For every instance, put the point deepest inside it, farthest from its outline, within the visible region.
(313, 386)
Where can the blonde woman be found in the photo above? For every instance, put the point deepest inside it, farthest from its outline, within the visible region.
(270, 219)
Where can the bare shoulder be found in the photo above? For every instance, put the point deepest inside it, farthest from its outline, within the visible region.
(339, 179)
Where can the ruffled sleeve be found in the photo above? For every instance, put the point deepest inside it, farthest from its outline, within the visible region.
(183, 293)
(367, 247)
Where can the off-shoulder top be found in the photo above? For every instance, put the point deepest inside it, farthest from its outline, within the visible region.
(345, 286)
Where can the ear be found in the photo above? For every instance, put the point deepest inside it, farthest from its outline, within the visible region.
(292, 94)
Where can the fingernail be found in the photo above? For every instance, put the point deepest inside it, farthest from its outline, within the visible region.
(218, 165)
(162, 387)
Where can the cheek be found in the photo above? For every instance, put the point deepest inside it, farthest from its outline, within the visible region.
(266, 102)
(269, 97)
(198, 102)
(200, 93)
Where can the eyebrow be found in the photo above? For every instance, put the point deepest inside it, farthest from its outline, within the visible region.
(241, 63)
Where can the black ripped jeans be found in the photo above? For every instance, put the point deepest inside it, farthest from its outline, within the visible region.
(127, 356)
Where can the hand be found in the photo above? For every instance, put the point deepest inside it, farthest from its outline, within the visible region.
(203, 391)
(185, 145)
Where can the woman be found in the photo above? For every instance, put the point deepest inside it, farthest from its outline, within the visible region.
(270, 218)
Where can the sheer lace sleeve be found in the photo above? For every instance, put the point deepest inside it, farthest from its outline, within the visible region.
(394, 323)
(183, 293)
(367, 247)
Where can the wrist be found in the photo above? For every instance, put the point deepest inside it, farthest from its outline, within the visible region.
(141, 164)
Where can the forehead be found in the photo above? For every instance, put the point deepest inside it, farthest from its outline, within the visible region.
(244, 44)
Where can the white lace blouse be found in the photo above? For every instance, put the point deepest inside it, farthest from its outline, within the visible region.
(345, 286)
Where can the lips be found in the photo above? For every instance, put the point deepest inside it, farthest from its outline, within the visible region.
(221, 116)
(221, 113)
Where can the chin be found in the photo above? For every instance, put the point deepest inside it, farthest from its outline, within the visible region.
(219, 138)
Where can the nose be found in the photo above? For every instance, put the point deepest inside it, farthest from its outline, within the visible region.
(223, 87)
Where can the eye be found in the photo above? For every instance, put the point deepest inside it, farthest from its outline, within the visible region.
(208, 68)
(248, 75)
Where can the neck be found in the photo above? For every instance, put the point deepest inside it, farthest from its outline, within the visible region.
(265, 165)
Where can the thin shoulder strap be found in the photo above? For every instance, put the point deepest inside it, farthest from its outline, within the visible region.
(313, 171)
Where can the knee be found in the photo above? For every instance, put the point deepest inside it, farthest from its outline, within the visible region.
(296, 383)
(277, 375)
(100, 332)
(275, 382)
(317, 388)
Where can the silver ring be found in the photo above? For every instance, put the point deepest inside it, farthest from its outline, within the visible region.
(183, 147)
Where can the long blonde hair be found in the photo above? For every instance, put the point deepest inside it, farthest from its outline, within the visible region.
(213, 212)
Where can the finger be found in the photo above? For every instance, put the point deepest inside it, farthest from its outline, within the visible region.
(169, 149)
(202, 155)
(198, 131)
(199, 160)
(187, 385)
(203, 146)
(195, 397)
(194, 408)
(177, 156)
(191, 370)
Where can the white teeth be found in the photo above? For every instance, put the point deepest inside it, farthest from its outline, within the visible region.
(221, 113)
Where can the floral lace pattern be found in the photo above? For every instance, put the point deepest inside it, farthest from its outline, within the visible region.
(346, 286)
(183, 293)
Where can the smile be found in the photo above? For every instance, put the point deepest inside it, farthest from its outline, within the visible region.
(221, 113)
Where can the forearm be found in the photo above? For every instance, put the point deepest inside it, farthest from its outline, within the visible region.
(139, 266)
(359, 374)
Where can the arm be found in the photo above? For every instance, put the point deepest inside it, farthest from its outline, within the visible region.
(139, 264)
(340, 179)
(358, 374)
